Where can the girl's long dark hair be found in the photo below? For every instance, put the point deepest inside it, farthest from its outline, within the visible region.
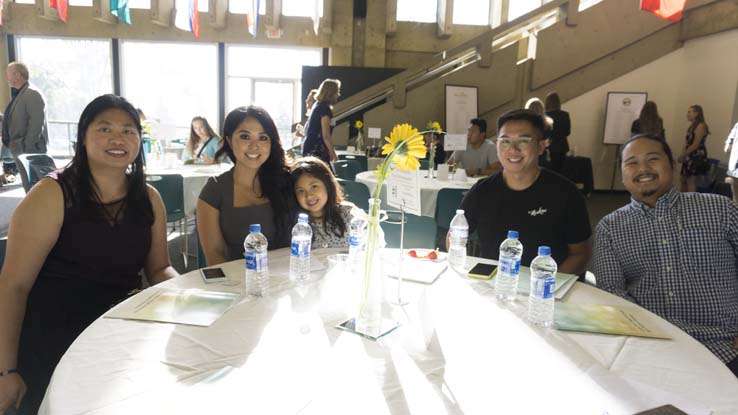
(77, 182)
(650, 120)
(273, 175)
(332, 209)
(194, 138)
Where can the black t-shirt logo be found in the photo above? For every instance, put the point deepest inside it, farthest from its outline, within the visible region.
(537, 212)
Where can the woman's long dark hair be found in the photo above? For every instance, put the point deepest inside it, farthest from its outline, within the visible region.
(77, 182)
(332, 209)
(650, 120)
(273, 175)
(194, 138)
(699, 119)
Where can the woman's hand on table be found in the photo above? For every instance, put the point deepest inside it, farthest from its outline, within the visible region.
(12, 389)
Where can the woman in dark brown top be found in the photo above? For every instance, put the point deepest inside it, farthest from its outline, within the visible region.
(76, 245)
(257, 189)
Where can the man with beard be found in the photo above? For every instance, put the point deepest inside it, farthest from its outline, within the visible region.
(670, 252)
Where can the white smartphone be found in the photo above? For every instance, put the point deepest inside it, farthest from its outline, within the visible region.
(212, 275)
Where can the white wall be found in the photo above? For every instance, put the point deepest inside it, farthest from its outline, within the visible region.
(704, 72)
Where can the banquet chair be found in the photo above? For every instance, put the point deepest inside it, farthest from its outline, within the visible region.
(419, 231)
(34, 167)
(3, 246)
(346, 169)
(446, 204)
(171, 189)
(424, 163)
(356, 193)
(356, 157)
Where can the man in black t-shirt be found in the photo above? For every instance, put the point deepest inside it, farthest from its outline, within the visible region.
(543, 206)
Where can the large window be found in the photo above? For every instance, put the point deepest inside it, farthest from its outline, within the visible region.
(70, 73)
(417, 10)
(521, 7)
(305, 8)
(171, 82)
(275, 86)
(471, 12)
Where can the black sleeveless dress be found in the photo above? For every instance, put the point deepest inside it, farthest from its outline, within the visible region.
(94, 264)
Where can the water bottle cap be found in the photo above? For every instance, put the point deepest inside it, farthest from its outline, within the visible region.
(255, 227)
(544, 250)
(459, 211)
(302, 217)
(513, 234)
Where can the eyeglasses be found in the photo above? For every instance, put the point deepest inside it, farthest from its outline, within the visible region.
(521, 144)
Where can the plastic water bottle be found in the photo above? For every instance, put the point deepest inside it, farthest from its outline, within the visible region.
(542, 281)
(357, 241)
(257, 266)
(506, 282)
(302, 235)
(459, 233)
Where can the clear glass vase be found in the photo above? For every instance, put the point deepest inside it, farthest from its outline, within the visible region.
(371, 297)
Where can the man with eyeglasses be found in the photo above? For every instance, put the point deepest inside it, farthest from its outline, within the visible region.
(543, 206)
(480, 157)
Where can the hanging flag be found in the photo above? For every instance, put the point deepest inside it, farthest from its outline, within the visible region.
(61, 7)
(252, 18)
(665, 9)
(188, 18)
(120, 9)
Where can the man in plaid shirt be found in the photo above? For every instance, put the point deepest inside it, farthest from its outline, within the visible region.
(672, 253)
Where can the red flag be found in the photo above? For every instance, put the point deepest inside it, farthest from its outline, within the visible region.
(61, 6)
(665, 9)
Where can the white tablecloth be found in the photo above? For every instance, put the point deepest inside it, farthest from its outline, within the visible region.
(195, 176)
(457, 351)
(428, 189)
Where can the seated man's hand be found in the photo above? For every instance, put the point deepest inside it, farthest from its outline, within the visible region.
(12, 389)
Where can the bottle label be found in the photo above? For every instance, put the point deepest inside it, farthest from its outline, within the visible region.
(543, 287)
(459, 232)
(255, 261)
(355, 240)
(300, 249)
(510, 266)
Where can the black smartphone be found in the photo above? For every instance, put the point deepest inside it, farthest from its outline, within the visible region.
(482, 271)
(212, 275)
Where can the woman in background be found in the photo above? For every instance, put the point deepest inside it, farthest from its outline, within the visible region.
(694, 153)
(257, 189)
(76, 245)
(561, 129)
(203, 142)
(649, 121)
(318, 140)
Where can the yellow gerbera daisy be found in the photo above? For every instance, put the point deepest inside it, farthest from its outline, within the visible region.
(359, 124)
(405, 146)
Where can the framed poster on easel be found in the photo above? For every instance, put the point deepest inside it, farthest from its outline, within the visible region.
(621, 109)
(462, 104)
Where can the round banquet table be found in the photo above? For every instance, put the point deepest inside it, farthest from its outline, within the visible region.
(457, 351)
(428, 189)
(194, 178)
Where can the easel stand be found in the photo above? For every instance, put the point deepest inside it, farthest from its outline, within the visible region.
(615, 168)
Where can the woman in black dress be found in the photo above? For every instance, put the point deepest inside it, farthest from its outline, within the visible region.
(561, 129)
(694, 153)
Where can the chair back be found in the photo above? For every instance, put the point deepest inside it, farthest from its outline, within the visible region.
(35, 167)
(448, 201)
(356, 193)
(171, 189)
(424, 163)
(420, 231)
(3, 247)
(356, 157)
(346, 169)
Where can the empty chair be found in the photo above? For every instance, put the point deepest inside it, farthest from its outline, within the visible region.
(3, 247)
(356, 193)
(419, 231)
(424, 164)
(33, 167)
(356, 157)
(171, 189)
(346, 169)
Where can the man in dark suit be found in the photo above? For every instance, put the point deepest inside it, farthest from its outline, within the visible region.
(24, 125)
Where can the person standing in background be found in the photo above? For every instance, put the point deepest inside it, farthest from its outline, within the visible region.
(732, 172)
(561, 129)
(24, 123)
(318, 135)
(649, 121)
(694, 154)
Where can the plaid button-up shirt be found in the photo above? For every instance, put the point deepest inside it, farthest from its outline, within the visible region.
(678, 260)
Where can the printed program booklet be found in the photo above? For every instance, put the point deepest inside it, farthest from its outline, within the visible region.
(606, 319)
(181, 306)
